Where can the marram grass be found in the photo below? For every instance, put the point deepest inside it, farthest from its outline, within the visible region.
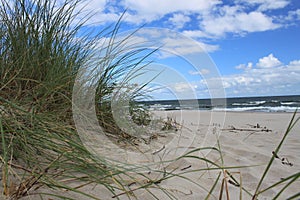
(41, 53)
(42, 49)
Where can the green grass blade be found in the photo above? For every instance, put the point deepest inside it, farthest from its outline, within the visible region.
(295, 196)
(290, 126)
(213, 187)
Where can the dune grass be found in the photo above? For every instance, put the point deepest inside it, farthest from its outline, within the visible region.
(42, 49)
(288, 180)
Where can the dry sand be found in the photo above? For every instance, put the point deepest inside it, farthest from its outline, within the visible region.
(245, 146)
(242, 144)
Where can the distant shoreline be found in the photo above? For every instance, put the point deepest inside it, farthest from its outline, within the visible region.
(240, 104)
(233, 112)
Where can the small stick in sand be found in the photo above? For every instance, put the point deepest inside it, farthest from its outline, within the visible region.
(132, 183)
(186, 167)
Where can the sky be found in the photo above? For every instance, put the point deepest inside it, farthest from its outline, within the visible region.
(213, 48)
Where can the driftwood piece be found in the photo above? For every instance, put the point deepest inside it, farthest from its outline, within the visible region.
(254, 129)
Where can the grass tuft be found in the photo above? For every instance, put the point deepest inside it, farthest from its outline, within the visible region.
(43, 48)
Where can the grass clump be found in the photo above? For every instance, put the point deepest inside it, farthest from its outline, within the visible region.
(42, 49)
(170, 124)
(39, 54)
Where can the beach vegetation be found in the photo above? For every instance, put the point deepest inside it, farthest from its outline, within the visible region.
(43, 47)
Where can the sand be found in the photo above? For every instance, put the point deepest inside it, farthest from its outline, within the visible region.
(246, 140)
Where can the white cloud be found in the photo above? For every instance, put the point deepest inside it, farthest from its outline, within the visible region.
(268, 62)
(235, 20)
(283, 79)
(92, 5)
(200, 72)
(204, 71)
(294, 63)
(173, 45)
(195, 34)
(182, 87)
(179, 20)
(94, 12)
(183, 47)
(168, 43)
(155, 9)
(215, 18)
(292, 15)
(264, 5)
(179, 90)
(244, 66)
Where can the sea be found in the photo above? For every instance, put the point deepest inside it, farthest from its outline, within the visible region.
(237, 104)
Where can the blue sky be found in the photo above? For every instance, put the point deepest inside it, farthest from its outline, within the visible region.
(254, 44)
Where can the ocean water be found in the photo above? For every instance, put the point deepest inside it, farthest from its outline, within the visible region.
(250, 104)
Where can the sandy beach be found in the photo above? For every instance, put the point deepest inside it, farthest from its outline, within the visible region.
(149, 100)
(247, 140)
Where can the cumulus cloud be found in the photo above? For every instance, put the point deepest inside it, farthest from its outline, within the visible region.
(154, 9)
(179, 20)
(173, 43)
(264, 5)
(292, 15)
(90, 5)
(268, 61)
(255, 81)
(195, 34)
(232, 19)
(294, 63)
(214, 18)
(168, 43)
(245, 66)
(183, 47)
(282, 79)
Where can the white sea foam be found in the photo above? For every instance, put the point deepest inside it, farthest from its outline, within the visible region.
(159, 107)
(259, 108)
(288, 103)
(257, 102)
(251, 103)
(244, 104)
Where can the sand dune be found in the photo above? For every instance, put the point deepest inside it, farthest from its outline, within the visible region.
(246, 140)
